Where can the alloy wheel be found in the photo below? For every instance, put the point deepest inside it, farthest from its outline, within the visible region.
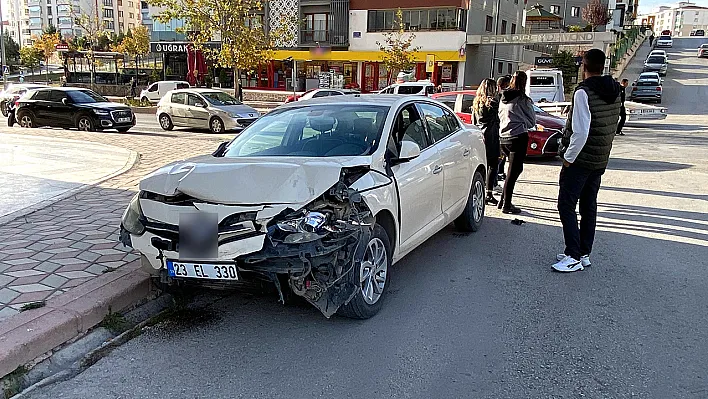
(216, 125)
(84, 124)
(478, 201)
(26, 121)
(165, 122)
(372, 273)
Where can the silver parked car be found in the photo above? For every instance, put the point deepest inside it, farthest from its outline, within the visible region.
(656, 63)
(204, 108)
(646, 89)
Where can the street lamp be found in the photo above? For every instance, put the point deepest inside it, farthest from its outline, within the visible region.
(2, 49)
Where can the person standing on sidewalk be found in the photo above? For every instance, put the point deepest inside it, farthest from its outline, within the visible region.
(623, 110)
(516, 117)
(585, 150)
(485, 112)
(502, 84)
(651, 40)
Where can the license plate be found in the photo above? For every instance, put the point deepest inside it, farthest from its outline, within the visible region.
(646, 111)
(124, 120)
(202, 270)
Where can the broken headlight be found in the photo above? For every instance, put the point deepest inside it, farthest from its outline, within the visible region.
(306, 228)
(132, 216)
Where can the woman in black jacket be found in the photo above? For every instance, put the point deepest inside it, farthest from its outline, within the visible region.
(485, 110)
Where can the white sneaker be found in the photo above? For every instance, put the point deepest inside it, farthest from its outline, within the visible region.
(498, 189)
(585, 259)
(568, 264)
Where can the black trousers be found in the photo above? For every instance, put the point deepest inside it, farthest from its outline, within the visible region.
(623, 119)
(492, 150)
(515, 151)
(578, 184)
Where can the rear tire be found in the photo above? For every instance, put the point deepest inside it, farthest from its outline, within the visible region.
(27, 120)
(3, 108)
(166, 122)
(371, 277)
(473, 215)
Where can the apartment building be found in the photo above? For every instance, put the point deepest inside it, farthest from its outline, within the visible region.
(29, 18)
(571, 10)
(680, 19)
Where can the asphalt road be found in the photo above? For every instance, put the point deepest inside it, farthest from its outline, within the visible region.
(483, 315)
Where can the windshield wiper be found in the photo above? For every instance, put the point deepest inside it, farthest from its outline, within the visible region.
(221, 150)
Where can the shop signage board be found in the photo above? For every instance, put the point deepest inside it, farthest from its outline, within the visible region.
(177, 47)
(533, 38)
(325, 80)
(429, 63)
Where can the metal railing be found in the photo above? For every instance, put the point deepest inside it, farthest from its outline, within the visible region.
(314, 36)
(623, 44)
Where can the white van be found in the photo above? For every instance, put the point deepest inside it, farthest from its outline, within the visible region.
(419, 88)
(545, 85)
(155, 91)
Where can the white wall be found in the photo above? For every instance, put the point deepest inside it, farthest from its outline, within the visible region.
(427, 41)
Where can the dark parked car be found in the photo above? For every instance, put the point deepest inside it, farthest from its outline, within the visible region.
(69, 107)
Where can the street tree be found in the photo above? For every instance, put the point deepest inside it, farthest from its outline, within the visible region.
(30, 57)
(93, 29)
(565, 61)
(398, 52)
(12, 50)
(595, 13)
(136, 44)
(46, 45)
(245, 41)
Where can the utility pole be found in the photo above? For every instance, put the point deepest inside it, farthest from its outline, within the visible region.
(494, 49)
(2, 49)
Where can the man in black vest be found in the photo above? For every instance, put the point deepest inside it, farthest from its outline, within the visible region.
(585, 150)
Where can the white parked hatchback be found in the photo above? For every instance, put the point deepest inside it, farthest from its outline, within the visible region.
(319, 197)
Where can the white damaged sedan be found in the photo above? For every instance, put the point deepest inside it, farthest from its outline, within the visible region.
(318, 197)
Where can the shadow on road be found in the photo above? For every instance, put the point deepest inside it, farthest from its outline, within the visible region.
(642, 165)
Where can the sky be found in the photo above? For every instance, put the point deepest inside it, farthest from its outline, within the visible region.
(645, 6)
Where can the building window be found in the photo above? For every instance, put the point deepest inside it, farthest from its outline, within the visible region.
(107, 13)
(508, 68)
(131, 15)
(109, 24)
(575, 12)
(316, 28)
(503, 27)
(489, 24)
(555, 10)
(120, 14)
(500, 67)
(108, 3)
(130, 4)
(49, 10)
(418, 19)
(513, 29)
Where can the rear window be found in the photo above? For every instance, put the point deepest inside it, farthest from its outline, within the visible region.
(409, 89)
(656, 60)
(647, 83)
(664, 37)
(42, 95)
(542, 81)
(182, 85)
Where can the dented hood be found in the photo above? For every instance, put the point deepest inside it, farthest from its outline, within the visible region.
(250, 181)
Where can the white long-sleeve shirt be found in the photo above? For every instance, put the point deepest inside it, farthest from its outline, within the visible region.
(581, 125)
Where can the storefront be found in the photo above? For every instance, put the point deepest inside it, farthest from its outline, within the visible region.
(375, 76)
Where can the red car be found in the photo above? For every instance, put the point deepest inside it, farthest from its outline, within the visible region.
(543, 141)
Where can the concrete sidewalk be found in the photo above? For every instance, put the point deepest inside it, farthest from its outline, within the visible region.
(68, 254)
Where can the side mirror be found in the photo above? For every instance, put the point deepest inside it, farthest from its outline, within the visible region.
(409, 150)
(65, 101)
(200, 105)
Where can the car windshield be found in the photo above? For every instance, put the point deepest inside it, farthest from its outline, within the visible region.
(85, 96)
(704, 45)
(655, 60)
(409, 89)
(220, 98)
(312, 131)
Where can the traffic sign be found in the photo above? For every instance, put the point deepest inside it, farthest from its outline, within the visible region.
(5, 70)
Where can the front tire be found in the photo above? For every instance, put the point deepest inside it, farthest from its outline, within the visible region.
(371, 277)
(216, 125)
(473, 215)
(85, 124)
(3, 108)
(123, 129)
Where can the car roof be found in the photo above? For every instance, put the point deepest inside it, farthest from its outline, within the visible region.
(647, 79)
(68, 88)
(384, 100)
(420, 82)
(445, 93)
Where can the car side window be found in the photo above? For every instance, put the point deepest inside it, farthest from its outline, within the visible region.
(322, 93)
(335, 93)
(452, 121)
(194, 100)
(467, 100)
(177, 98)
(42, 95)
(152, 87)
(449, 100)
(436, 121)
(429, 90)
(409, 127)
(57, 95)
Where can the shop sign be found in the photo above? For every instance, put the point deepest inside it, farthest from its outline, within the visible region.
(446, 72)
(543, 61)
(357, 35)
(61, 47)
(430, 63)
(552, 37)
(178, 47)
(325, 80)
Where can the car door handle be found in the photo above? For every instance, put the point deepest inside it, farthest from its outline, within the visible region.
(466, 152)
(437, 169)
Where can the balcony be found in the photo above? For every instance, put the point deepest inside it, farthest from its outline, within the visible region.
(34, 2)
(313, 38)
